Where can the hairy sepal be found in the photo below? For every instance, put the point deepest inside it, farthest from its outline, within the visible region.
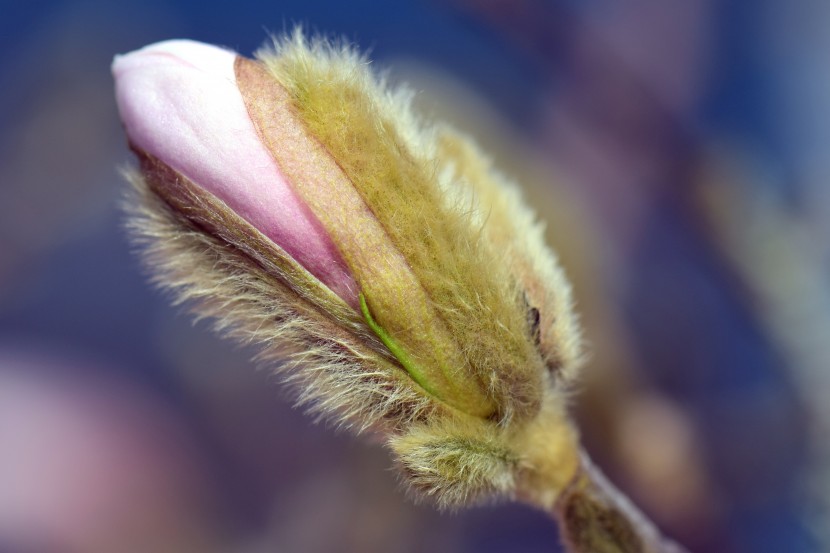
(456, 462)
(390, 159)
(223, 269)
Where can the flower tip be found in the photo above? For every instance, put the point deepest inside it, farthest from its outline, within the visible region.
(180, 103)
(182, 52)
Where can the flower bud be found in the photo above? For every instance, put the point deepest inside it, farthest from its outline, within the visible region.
(303, 206)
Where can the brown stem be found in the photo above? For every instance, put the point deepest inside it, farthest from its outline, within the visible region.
(595, 517)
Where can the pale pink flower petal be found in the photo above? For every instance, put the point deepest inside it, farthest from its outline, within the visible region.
(180, 103)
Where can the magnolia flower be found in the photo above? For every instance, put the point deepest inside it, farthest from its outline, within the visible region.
(396, 278)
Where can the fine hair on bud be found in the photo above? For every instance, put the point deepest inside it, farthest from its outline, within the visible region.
(459, 343)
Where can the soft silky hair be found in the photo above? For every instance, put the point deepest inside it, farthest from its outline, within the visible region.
(475, 248)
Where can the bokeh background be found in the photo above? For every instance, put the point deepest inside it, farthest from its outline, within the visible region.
(680, 153)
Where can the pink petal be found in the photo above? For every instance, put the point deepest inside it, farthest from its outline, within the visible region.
(180, 103)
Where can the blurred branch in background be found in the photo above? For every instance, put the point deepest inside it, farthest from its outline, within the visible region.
(782, 268)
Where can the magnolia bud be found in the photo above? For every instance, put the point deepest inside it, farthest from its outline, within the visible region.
(398, 278)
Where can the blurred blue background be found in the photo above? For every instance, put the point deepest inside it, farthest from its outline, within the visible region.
(678, 151)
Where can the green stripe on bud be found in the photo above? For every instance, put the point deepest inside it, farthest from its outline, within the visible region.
(417, 374)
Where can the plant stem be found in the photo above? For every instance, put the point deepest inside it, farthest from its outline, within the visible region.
(595, 517)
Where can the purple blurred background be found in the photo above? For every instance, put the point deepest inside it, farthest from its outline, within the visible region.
(679, 152)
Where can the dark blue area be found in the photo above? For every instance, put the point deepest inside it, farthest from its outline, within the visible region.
(91, 295)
